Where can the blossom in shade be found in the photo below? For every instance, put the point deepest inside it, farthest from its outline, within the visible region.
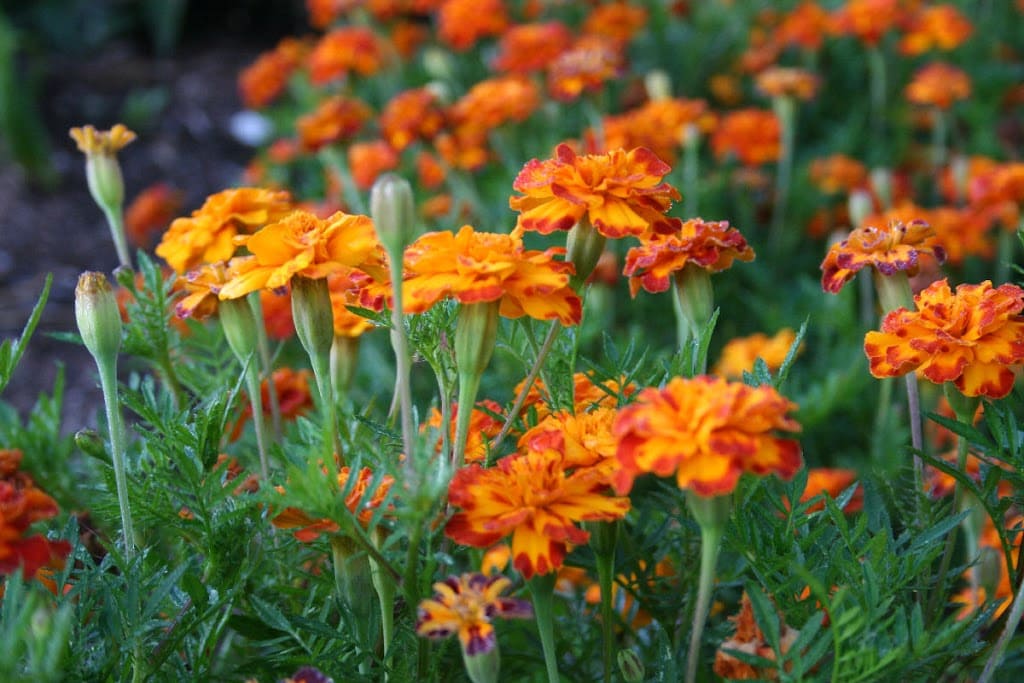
(322, 13)
(961, 233)
(1001, 188)
(532, 498)
(336, 118)
(361, 501)
(804, 26)
(999, 589)
(461, 23)
(618, 21)
(971, 337)
(739, 354)
(938, 85)
(752, 135)
(935, 27)
(465, 606)
(201, 286)
(344, 289)
(621, 193)
(208, 235)
(277, 313)
(938, 484)
(838, 173)
(344, 50)
(483, 426)
(294, 398)
(750, 639)
(265, 79)
(367, 160)
(706, 431)
(868, 20)
(897, 247)
(22, 504)
(409, 116)
(475, 267)
(833, 481)
(150, 213)
(585, 67)
(530, 47)
(780, 81)
(302, 244)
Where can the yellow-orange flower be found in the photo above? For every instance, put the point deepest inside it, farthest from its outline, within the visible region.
(22, 504)
(532, 498)
(344, 290)
(102, 142)
(740, 354)
(464, 606)
(838, 173)
(938, 27)
(620, 192)
(493, 102)
(483, 426)
(587, 394)
(707, 432)
(584, 67)
(293, 396)
(368, 160)
(940, 485)
(336, 118)
(409, 116)
(712, 245)
(939, 85)
(265, 79)
(201, 286)
(833, 481)
(659, 125)
(359, 502)
(475, 267)
(619, 21)
(302, 244)
(346, 49)
(530, 47)
(898, 247)
(961, 233)
(461, 23)
(583, 439)
(752, 135)
(970, 338)
(208, 236)
(780, 81)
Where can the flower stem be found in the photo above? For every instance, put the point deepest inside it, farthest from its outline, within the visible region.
(545, 349)
(876, 68)
(252, 386)
(542, 588)
(785, 111)
(403, 365)
(108, 384)
(710, 543)
(385, 588)
(266, 364)
(322, 374)
(1005, 250)
(469, 386)
(115, 220)
(691, 170)
(1012, 621)
(606, 578)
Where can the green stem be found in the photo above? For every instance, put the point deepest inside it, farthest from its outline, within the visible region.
(331, 156)
(542, 588)
(1012, 621)
(385, 588)
(545, 349)
(322, 374)
(710, 543)
(252, 385)
(1005, 251)
(266, 363)
(115, 220)
(469, 385)
(108, 384)
(785, 111)
(938, 139)
(606, 580)
(691, 170)
(876, 68)
(914, 414)
(403, 364)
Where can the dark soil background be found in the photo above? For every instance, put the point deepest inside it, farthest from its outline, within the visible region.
(180, 105)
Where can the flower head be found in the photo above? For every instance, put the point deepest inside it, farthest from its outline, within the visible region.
(150, 213)
(618, 21)
(752, 135)
(585, 67)
(708, 432)
(530, 47)
(21, 506)
(750, 639)
(368, 160)
(804, 26)
(108, 143)
(461, 23)
(483, 426)
(938, 27)
(787, 82)
(409, 116)
(970, 338)
(343, 50)
(838, 173)
(265, 79)
(336, 118)
(740, 354)
(201, 286)
(659, 125)
(868, 20)
(620, 192)
(583, 439)
(898, 247)
(939, 85)
(532, 498)
(494, 102)
(464, 606)
(360, 501)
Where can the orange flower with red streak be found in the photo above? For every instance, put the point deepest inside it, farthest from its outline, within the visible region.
(475, 267)
(970, 338)
(293, 397)
(938, 27)
(201, 286)
(265, 80)
(344, 290)
(322, 13)
(464, 606)
(898, 247)
(483, 426)
(344, 50)
(833, 481)
(21, 506)
(409, 116)
(584, 67)
(740, 354)
(151, 212)
(707, 432)
(939, 85)
(712, 245)
(752, 135)
(277, 313)
(621, 193)
(208, 236)
(533, 499)
(530, 47)
(780, 81)
(461, 23)
(583, 439)
(360, 501)
(336, 118)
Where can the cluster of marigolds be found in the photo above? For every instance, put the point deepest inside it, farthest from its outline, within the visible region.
(267, 262)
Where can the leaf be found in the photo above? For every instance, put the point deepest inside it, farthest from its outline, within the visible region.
(11, 352)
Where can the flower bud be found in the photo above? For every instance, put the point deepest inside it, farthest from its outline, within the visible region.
(99, 320)
(313, 315)
(695, 297)
(658, 84)
(631, 666)
(391, 207)
(101, 168)
(239, 325)
(584, 246)
(859, 206)
(483, 667)
(476, 331)
(90, 443)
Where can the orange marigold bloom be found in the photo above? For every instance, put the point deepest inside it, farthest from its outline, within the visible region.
(367, 160)
(530, 47)
(740, 354)
(302, 244)
(201, 286)
(532, 498)
(618, 21)
(411, 115)
(833, 481)
(658, 125)
(1002, 184)
(752, 135)
(961, 233)
(749, 638)
(346, 49)
(838, 173)
(265, 79)
(461, 23)
(868, 20)
(586, 66)
(151, 212)
(483, 426)
(587, 394)
(464, 606)
(712, 245)
(322, 13)
(708, 432)
(344, 291)
(969, 338)
(938, 27)
(474, 267)
(939, 85)
(805, 26)
(780, 81)
(429, 171)
(620, 192)
(1000, 589)
(583, 439)
(208, 235)
(495, 101)
(466, 147)
(21, 506)
(898, 247)
(334, 119)
(359, 501)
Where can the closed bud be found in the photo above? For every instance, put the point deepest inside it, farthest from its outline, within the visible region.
(476, 331)
(859, 206)
(695, 296)
(97, 315)
(102, 170)
(90, 443)
(313, 315)
(239, 325)
(391, 207)
(631, 667)
(584, 246)
(658, 85)
(483, 667)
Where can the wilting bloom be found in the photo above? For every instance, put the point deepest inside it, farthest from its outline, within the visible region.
(750, 639)
(838, 174)
(584, 67)
(530, 47)
(360, 501)
(461, 23)
(336, 118)
(659, 125)
(939, 85)
(493, 102)
(707, 432)
(970, 338)
(367, 160)
(464, 606)
(939, 27)
(475, 267)
(833, 481)
(208, 235)
(201, 286)
(532, 498)
(740, 354)
(787, 82)
(620, 192)
(752, 135)
(409, 116)
(302, 244)
(805, 26)
(21, 506)
(346, 49)
(264, 80)
(868, 20)
(618, 21)
(150, 213)
(483, 426)
(898, 247)
(711, 245)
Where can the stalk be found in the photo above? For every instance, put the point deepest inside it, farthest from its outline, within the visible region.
(108, 384)
(252, 385)
(115, 220)
(542, 588)
(710, 542)
(545, 349)
(606, 579)
(785, 111)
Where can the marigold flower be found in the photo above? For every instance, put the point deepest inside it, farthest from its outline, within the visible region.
(474, 267)
(938, 27)
(961, 233)
(107, 143)
(293, 396)
(343, 50)
(586, 66)
(21, 506)
(583, 439)
(587, 394)
(461, 23)
(465, 148)
(833, 481)
(483, 426)
(1003, 184)
(752, 135)
(898, 247)
(659, 125)
(995, 588)
(838, 174)
(530, 47)
(464, 606)
(620, 192)
(322, 13)
(939, 85)
(359, 502)
(618, 21)
(969, 338)
(208, 235)
(868, 20)
(151, 212)
(265, 79)
(532, 498)
(740, 354)
(805, 26)
(494, 102)
(367, 160)
(409, 116)
(941, 485)
(429, 171)
(334, 119)
(749, 638)
(780, 81)
(344, 289)
(708, 432)
(201, 286)
(302, 244)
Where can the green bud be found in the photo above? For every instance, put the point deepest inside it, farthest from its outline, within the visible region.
(125, 276)
(711, 513)
(483, 667)
(106, 185)
(391, 206)
(631, 667)
(476, 331)
(99, 320)
(658, 84)
(344, 361)
(604, 537)
(583, 247)
(695, 297)
(90, 443)
(313, 315)
(239, 324)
